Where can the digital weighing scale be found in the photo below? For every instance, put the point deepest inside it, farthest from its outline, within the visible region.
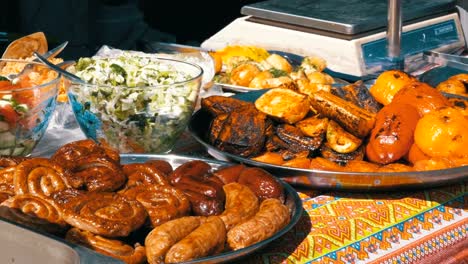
(351, 35)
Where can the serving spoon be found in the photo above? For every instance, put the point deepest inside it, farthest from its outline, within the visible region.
(50, 54)
(59, 69)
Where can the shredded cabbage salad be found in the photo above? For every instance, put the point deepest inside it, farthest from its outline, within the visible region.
(138, 104)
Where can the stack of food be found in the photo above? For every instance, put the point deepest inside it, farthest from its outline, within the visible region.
(399, 124)
(84, 194)
(256, 68)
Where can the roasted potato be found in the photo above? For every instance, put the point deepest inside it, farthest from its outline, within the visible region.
(279, 82)
(259, 79)
(318, 81)
(231, 62)
(278, 62)
(313, 64)
(244, 73)
(283, 104)
(313, 126)
(298, 75)
(340, 140)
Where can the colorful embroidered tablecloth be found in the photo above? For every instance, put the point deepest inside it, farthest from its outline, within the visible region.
(396, 227)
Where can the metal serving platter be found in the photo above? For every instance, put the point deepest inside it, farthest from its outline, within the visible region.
(24, 245)
(439, 74)
(294, 59)
(199, 127)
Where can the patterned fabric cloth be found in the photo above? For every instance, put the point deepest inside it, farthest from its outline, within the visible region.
(427, 226)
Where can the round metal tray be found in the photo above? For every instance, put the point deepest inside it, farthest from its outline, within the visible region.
(199, 126)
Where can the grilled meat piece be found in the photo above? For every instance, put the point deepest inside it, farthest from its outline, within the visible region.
(217, 104)
(240, 132)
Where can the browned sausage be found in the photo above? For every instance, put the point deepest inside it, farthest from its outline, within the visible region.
(393, 134)
(208, 238)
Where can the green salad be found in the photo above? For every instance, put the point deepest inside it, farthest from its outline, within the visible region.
(138, 104)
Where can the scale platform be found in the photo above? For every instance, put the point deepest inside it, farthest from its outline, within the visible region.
(349, 34)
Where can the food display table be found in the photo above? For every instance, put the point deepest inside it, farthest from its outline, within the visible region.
(420, 226)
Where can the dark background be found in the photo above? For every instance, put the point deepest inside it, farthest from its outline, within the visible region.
(125, 24)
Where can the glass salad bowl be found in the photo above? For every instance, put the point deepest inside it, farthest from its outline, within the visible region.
(135, 104)
(27, 102)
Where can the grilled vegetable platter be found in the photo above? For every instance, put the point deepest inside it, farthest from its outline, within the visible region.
(399, 132)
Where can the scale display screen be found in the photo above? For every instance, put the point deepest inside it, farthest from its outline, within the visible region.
(413, 42)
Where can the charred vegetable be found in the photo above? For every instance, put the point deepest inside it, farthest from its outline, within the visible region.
(354, 119)
(217, 104)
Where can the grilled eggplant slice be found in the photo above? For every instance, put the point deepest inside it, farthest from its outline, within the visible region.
(274, 143)
(340, 140)
(354, 119)
(341, 158)
(240, 132)
(284, 105)
(296, 139)
(217, 104)
(358, 94)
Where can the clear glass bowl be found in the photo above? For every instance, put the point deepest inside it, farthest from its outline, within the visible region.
(26, 107)
(137, 119)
